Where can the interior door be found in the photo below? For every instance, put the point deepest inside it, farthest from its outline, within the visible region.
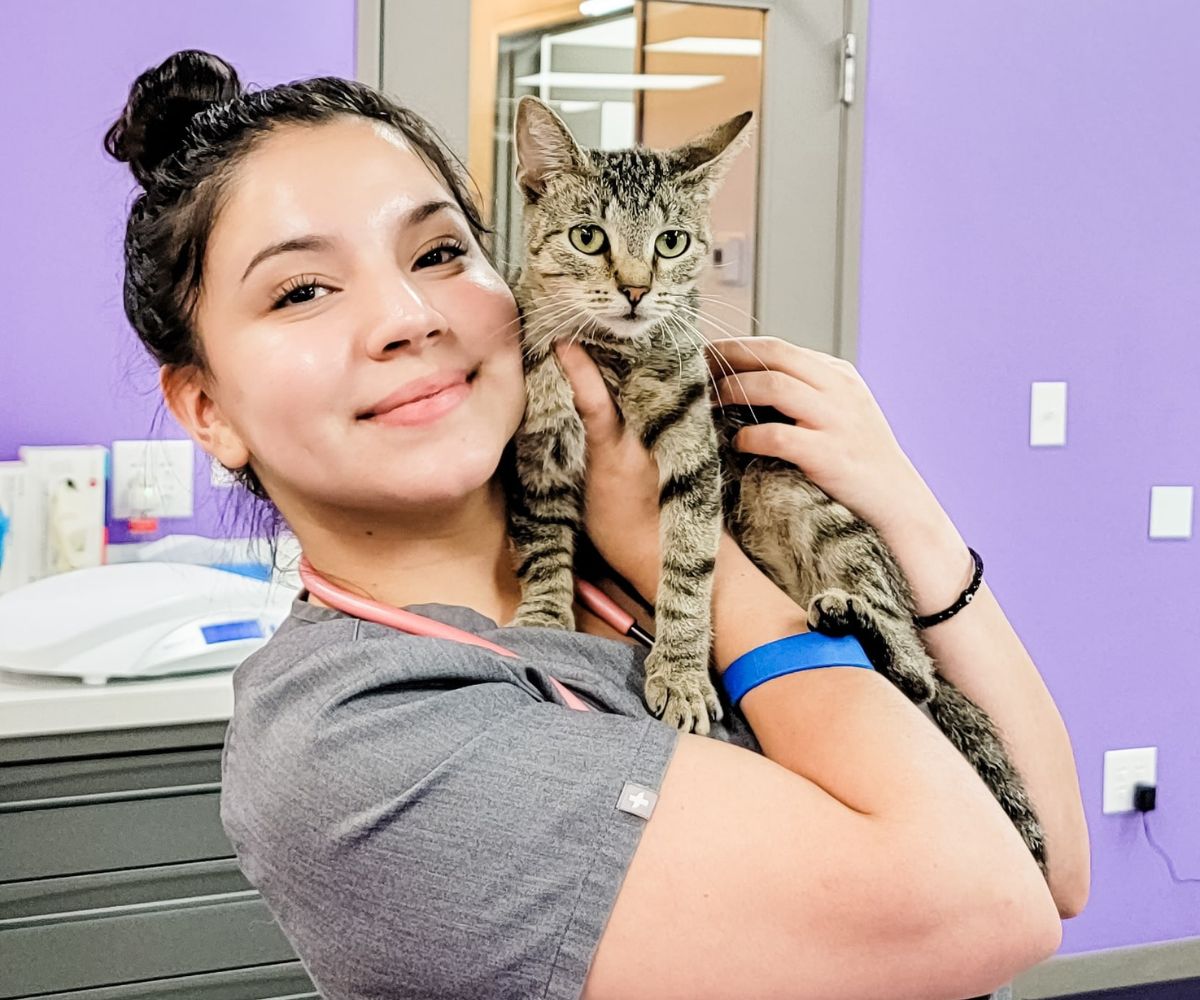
(658, 71)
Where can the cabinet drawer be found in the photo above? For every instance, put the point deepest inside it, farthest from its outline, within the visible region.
(138, 942)
(24, 784)
(28, 904)
(121, 830)
(283, 981)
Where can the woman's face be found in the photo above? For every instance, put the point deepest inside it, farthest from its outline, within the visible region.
(339, 273)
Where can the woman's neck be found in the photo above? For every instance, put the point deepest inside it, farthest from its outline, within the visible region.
(460, 557)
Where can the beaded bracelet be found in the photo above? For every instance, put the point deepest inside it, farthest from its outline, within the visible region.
(805, 651)
(965, 598)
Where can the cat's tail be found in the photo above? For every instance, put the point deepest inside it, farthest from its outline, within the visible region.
(969, 728)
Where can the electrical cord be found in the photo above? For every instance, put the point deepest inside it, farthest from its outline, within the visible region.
(1144, 797)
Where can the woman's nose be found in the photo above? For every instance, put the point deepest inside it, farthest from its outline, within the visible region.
(407, 318)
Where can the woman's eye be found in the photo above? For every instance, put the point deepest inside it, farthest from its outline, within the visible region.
(588, 239)
(672, 243)
(441, 255)
(298, 294)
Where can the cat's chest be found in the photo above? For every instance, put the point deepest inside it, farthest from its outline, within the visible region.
(647, 377)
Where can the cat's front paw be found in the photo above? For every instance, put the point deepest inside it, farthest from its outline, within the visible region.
(832, 612)
(684, 699)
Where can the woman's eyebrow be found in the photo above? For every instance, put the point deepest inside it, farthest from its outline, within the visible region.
(287, 246)
(414, 216)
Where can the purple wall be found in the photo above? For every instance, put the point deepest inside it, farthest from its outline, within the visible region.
(1032, 212)
(71, 370)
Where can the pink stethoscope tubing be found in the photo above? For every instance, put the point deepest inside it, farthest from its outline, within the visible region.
(414, 624)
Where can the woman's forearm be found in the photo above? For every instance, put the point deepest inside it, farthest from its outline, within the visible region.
(979, 651)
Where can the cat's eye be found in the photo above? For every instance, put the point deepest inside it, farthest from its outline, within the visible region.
(672, 243)
(588, 239)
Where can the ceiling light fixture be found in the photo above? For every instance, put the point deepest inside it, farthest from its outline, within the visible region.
(598, 8)
(618, 81)
(695, 45)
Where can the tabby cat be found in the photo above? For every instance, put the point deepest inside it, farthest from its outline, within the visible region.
(614, 244)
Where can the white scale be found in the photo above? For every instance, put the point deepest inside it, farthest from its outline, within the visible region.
(138, 620)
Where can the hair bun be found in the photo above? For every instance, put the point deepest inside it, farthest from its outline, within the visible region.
(161, 104)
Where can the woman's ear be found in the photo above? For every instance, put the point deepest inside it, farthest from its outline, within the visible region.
(544, 146)
(200, 415)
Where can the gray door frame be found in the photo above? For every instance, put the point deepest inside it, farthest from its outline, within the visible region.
(811, 143)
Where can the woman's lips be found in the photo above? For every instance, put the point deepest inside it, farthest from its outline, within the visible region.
(427, 409)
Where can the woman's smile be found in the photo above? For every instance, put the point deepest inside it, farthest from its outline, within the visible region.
(427, 409)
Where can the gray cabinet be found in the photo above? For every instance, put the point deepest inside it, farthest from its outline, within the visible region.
(117, 881)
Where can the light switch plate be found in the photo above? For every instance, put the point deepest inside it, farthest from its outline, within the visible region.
(1048, 413)
(152, 478)
(1171, 511)
(1122, 770)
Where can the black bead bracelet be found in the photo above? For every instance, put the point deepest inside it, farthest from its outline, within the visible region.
(965, 598)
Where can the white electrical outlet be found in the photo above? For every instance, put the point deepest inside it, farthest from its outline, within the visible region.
(152, 478)
(64, 503)
(1122, 770)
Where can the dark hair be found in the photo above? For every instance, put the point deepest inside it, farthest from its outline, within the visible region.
(185, 127)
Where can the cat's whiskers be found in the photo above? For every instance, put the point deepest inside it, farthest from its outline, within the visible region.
(717, 300)
(538, 311)
(683, 316)
(689, 331)
(550, 312)
(726, 329)
(579, 312)
(733, 374)
(669, 328)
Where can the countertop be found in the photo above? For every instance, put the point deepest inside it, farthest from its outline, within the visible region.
(31, 705)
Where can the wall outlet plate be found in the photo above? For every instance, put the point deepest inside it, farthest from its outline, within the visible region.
(1122, 770)
(52, 469)
(152, 478)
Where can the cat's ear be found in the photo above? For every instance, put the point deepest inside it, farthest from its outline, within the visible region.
(706, 159)
(544, 146)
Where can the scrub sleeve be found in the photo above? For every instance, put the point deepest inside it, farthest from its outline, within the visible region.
(423, 822)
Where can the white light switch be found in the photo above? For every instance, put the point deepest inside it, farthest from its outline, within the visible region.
(1171, 511)
(1048, 413)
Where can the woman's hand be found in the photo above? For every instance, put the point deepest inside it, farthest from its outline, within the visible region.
(837, 436)
(621, 495)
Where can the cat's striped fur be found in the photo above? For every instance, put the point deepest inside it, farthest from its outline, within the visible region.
(636, 311)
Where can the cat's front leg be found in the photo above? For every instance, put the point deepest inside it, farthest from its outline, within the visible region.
(678, 687)
(546, 506)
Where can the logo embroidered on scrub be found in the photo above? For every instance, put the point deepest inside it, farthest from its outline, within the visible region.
(637, 799)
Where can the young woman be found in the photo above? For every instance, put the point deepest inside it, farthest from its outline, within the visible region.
(429, 818)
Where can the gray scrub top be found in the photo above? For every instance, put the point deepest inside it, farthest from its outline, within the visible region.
(426, 818)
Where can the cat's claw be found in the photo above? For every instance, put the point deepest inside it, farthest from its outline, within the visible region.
(832, 613)
(684, 702)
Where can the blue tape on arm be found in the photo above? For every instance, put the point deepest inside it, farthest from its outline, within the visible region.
(805, 651)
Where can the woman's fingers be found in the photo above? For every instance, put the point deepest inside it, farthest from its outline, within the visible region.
(791, 397)
(798, 445)
(592, 398)
(746, 354)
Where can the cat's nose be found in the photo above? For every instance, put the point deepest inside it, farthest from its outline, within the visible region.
(634, 293)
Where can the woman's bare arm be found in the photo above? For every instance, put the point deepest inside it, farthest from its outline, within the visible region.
(980, 653)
